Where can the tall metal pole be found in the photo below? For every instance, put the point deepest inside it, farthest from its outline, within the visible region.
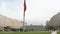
(23, 21)
(24, 15)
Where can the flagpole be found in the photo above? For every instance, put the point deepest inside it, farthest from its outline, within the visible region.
(24, 15)
(23, 21)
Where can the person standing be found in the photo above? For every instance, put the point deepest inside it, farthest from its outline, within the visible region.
(54, 31)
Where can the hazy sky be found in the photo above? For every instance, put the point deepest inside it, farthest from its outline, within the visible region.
(37, 13)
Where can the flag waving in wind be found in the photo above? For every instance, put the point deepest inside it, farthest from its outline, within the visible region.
(24, 5)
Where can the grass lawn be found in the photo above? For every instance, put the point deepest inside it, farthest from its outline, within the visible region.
(26, 32)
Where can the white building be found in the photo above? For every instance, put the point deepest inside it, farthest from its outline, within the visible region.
(5, 21)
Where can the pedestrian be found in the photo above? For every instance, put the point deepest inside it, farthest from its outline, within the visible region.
(54, 31)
